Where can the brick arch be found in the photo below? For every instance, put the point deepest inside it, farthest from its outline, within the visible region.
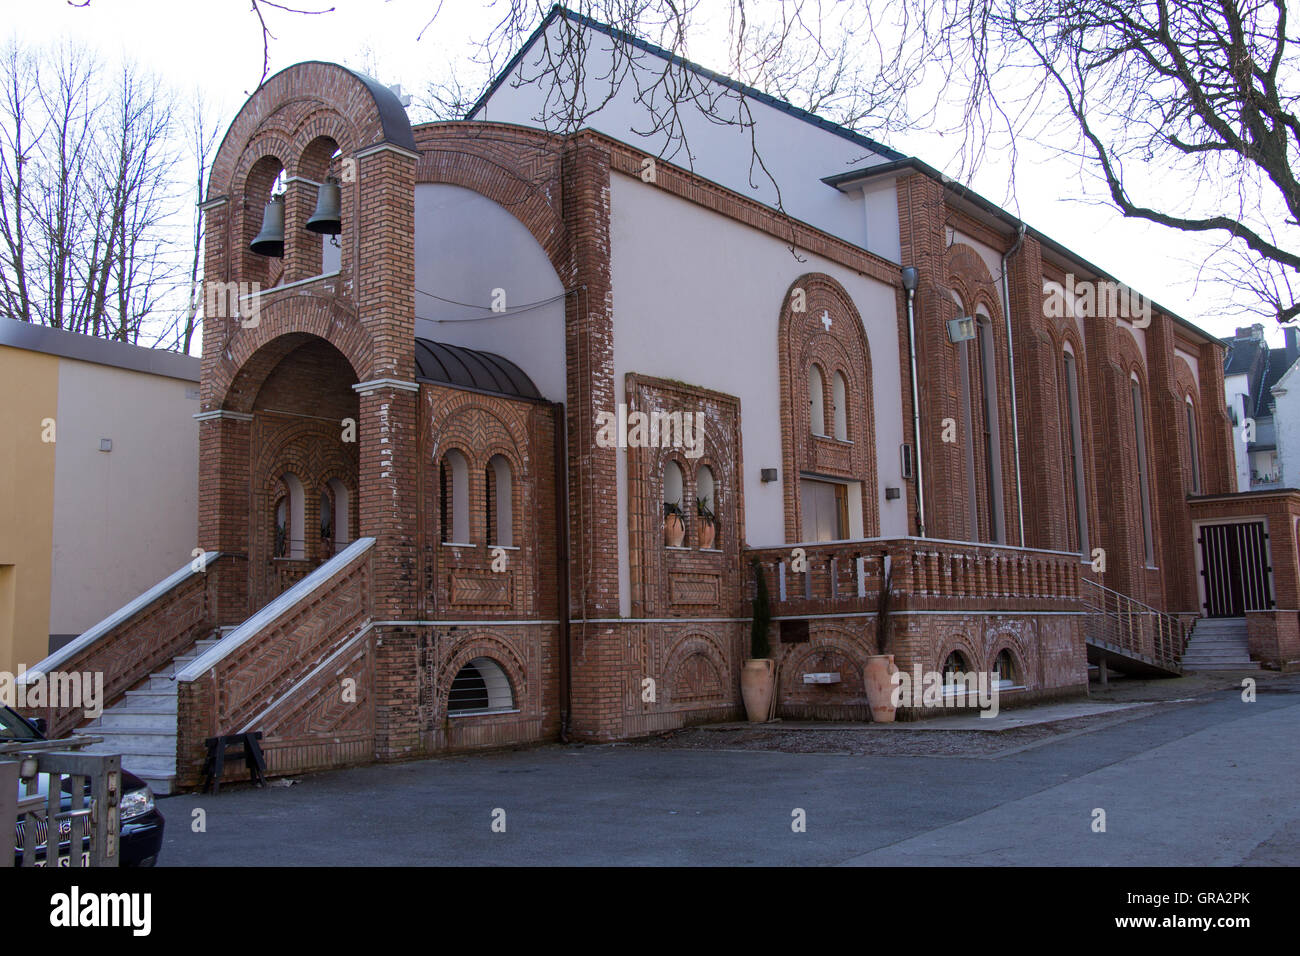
(285, 324)
(495, 648)
(301, 101)
(959, 641)
(695, 658)
(518, 168)
(802, 341)
(1129, 355)
(1001, 640)
(969, 276)
(473, 426)
(828, 643)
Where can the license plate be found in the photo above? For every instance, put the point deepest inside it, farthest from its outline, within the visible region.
(67, 861)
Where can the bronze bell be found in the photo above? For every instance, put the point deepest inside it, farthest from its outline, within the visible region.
(270, 241)
(327, 219)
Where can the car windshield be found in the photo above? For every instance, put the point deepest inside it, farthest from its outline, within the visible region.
(13, 727)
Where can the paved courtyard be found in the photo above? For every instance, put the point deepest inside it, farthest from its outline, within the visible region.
(1207, 781)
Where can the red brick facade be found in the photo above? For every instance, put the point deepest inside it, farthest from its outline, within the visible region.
(319, 390)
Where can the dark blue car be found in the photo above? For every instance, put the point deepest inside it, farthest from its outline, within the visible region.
(142, 824)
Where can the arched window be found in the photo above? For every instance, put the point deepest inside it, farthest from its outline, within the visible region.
(454, 499)
(840, 400)
(816, 401)
(480, 687)
(1005, 673)
(1193, 447)
(290, 521)
(706, 508)
(500, 506)
(954, 666)
(1144, 487)
(1075, 487)
(674, 509)
(341, 515)
(987, 364)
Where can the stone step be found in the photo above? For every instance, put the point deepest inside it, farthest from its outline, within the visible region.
(115, 719)
(137, 742)
(161, 683)
(151, 700)
(1218, 666)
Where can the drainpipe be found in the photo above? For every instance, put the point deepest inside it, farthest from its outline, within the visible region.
(561, 452)
(1011, 364)
(910, 279)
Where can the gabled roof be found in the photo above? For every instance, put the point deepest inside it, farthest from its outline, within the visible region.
(1243, 354)
(1278, 363)
(743, 89)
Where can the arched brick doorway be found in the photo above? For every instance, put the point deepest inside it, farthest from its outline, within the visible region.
(303, 465)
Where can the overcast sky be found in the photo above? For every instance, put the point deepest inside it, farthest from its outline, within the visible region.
(216, 46)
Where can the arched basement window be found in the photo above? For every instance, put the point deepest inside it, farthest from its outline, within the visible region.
(954, 666)
(816, 401)
(500, 509)
(453, 473)
(290, 520)
(480, 687)
(1005, 673)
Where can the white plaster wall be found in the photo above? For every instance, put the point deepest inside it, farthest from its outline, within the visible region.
(796, 153)
(466, 246)
(698, 298)
(1235, 387)
(125, 519)
(1286, 421)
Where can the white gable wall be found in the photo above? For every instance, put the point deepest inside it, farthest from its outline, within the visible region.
(796, 153)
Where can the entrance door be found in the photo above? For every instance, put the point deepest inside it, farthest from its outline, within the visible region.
(1235, 568)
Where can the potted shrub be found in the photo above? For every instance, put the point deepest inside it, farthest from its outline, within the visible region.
(674, 524)
(708, 524)
(880, 667)
(758, 677)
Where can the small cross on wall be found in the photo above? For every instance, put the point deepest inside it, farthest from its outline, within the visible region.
(826, 319)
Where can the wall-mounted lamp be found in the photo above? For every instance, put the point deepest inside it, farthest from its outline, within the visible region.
(767, 474)
(961, 329)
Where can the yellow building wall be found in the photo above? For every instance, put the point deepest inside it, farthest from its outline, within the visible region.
(29, 395)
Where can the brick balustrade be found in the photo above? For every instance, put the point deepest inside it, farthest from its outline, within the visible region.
(845, 576)
(255, 668)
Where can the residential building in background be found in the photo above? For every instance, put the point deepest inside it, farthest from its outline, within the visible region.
(1252, 371)
(98, 479)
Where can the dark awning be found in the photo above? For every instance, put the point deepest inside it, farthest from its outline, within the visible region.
(469, 368)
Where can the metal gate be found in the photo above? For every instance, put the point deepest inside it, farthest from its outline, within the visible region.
(1235, 568)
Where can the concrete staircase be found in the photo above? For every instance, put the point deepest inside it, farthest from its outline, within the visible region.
(1218, 644)
(142, 725)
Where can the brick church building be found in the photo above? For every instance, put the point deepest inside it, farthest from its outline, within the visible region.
(416, 534)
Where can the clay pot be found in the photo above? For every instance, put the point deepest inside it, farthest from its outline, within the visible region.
(757, 680)
(880, 689)
(708, 531)
(674, 531)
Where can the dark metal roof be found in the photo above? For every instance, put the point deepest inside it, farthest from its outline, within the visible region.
(469, 368)
(747, 91)
(1242, 356)
(392, 114)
